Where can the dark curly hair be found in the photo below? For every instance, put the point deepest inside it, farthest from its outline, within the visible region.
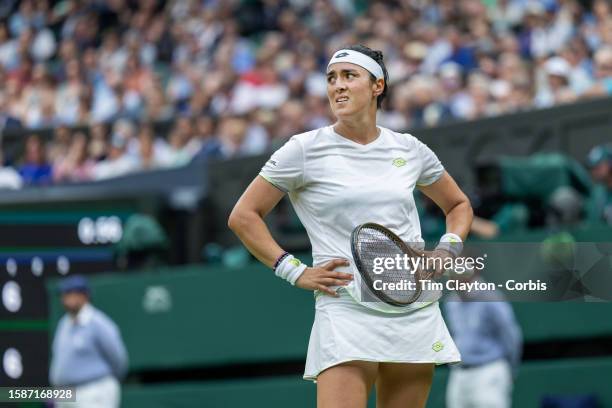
(378, 57)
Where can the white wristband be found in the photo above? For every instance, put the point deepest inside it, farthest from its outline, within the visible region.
(290, 269)
(452, 243)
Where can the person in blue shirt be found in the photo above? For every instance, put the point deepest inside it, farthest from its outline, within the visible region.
(35, 169)
(602, 60)
(87, 352)
(485, 330)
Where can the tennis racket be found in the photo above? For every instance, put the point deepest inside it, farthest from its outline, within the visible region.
(371, 242)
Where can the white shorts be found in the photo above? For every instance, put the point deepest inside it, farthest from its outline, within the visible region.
(102, 393)
(488, 385)
(345, 330)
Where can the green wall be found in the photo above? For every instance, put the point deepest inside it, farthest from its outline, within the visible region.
(536, 379)
(199, 316)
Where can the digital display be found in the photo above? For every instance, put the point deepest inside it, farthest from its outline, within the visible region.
(38, 242)
(24, 358)
(38, 245)
(53, 229)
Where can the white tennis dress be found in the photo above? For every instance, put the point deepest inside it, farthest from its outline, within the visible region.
(334, 185)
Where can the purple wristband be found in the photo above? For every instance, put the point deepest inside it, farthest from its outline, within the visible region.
(279, 260)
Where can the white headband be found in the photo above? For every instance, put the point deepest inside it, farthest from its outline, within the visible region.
(357, 58)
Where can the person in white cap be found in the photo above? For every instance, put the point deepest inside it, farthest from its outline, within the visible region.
(338, 177)
(555, 88)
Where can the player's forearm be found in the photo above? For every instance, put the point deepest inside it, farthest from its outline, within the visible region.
(255, 235)
(459, 219)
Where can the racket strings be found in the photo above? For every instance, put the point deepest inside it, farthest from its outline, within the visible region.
(375, 248)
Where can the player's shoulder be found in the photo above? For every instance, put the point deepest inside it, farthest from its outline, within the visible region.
(402, 138)
(312, 137)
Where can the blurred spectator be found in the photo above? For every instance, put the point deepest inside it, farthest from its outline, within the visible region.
(118, 162)
(70, 94)
(8, 122)
(556, 88)
(76, 164)
(60, 145)
(210, 147)
(565, 208)
(157, 106)
(236, 138)
(603, 73)
(599, 207)
(38, 99)
(490, 341)
(261, 77)
(150, 58)
(181, 144)
(576, 54)
(98, 144)
(137, 77)
(291, 120)
(9, 50)
(150, 150)
(87, 351)
(425, 109)
(9, 178)
(126, 130)
(259, 88)
(105, 102)
(35, 170)
(547, 28)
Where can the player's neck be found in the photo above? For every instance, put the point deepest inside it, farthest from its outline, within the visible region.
(361, 130)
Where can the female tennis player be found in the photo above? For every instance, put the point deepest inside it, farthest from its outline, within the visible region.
(338, 177)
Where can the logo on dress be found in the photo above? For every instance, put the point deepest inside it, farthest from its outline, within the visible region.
(437, 346)
(399, 162)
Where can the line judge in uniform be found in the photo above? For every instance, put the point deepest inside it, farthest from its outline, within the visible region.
(87, 351)
(338, 177)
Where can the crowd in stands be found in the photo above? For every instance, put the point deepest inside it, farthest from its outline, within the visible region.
(236, 77)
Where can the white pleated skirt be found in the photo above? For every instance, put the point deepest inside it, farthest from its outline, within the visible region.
(345, 330)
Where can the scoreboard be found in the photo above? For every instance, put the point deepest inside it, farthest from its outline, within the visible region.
(38, 242)
(37, 245)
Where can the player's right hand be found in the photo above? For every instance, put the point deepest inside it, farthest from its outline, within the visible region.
(321, 278)
(443, 257)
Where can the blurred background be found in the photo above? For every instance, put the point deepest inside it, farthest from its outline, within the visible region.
(130, 128)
